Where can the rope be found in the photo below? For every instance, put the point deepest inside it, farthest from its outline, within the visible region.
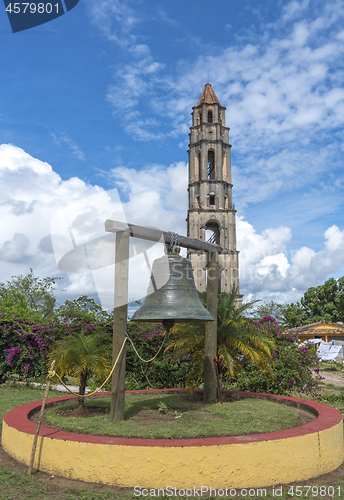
(52, 374)
(149, 360)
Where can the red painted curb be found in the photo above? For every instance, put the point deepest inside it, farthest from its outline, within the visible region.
(327, 418)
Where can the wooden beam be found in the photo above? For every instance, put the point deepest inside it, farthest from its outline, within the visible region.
(152, 234)
(120, 325)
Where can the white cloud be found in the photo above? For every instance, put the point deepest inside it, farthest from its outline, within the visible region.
(71, 144)
(133, 81)
(157, 196)
(293, 9)
(33, 195)
(266, 271)
(43, 218)
(115, 19)
(283, 90)
(268, 268)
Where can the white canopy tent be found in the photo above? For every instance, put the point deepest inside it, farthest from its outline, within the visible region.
(331, 351)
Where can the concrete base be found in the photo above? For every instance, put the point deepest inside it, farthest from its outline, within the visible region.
(234, 462)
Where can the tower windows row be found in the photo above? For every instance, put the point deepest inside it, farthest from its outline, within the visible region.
(210, 117)
(211, 201)
(210, 165)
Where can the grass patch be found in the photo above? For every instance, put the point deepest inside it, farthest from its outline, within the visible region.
(18, 486)
(180, 416)
(330, 367)
(11, 397)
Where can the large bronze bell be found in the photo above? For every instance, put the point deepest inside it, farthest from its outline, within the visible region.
(172, 296)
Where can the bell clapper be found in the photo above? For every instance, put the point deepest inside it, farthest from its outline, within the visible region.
(168, 324)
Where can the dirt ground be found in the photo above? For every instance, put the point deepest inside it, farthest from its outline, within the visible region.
(334, 378)
(58, 484)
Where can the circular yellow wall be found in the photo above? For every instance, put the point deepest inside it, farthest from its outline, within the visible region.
(235, 461)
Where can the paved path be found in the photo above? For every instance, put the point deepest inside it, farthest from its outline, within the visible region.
(60, 388)
(335, 378)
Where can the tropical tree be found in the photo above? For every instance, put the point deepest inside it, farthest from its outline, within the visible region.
(237, 339)
(80, 356)
(37, 291)
(321, 303)
(14, 303)
(84, 308)
(270, 309)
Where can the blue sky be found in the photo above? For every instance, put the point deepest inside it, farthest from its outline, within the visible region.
(100, 99)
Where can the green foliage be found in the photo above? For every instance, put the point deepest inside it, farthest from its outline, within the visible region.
(322, 303)
(162, 407)
(14, 304)
(23, 346)
(295, 315)
(84, 308)
(237, 339)
(270, 309)
(26, 329)
(330, 398)
(26, 336)
(38, 292)
(295, 369)
(80, 356)
(159, 373)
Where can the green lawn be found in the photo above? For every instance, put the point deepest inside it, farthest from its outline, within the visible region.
(180, 417)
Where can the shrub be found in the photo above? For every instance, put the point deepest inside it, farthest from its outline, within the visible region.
(294, 367)
(23, 347)
(159, 373)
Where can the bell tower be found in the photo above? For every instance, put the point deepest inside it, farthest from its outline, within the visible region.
(211, 214)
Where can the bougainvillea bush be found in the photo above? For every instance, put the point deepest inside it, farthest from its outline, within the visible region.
(26, 337)
(296, 367)
(23, 347)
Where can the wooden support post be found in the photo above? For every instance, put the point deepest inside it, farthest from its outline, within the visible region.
(120, 325)
(40, 418)
(210, 344)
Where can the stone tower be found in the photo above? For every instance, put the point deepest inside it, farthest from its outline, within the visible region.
(211, 214)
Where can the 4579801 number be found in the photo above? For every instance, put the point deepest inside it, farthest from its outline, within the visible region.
(32, 8)
(314, 491)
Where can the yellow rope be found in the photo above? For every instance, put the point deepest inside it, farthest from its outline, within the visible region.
(149, 360)
(52, 374)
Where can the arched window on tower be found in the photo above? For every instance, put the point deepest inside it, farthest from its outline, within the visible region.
(212, 232)
(197, 158)
(211, 164)
(213, 235)
(210, 116)
(224, 166)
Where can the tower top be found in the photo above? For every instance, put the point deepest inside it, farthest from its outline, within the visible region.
(208, 96)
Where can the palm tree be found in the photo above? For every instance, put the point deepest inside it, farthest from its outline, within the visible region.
(237, 339)
(80, 356)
